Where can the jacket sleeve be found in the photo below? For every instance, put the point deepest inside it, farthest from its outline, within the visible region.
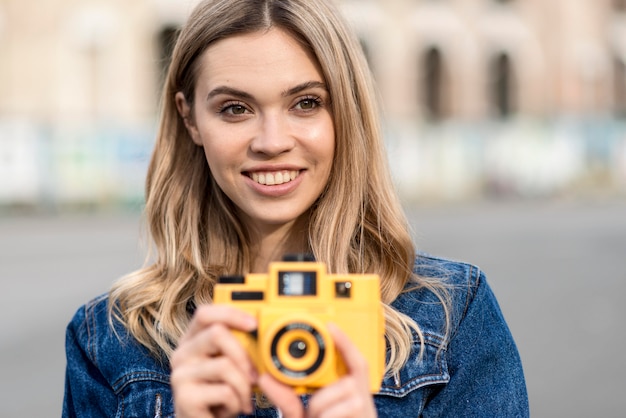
(87, 393)
(486, 376)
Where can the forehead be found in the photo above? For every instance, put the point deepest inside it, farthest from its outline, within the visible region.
(272, 56)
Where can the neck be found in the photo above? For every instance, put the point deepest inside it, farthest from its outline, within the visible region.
(273, 242)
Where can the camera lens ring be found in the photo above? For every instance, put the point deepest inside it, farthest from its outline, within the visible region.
(275, 352)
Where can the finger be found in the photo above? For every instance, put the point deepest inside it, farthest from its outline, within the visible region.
(207, 315)
(348, 408)
(282, 396)
(352, 357)
(211, 342)
(347, 397)
(350, 395)
(200, 400)
(344, 398)
(207, 400)
(219, 370)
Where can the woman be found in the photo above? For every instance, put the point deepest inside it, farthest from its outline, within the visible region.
(269, 144)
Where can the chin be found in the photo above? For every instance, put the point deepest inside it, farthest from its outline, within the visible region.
(278, 219)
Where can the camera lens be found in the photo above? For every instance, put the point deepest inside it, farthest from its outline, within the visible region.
(297, 349)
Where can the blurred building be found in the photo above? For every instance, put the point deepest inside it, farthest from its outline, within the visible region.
(476, 59)
(479, 96)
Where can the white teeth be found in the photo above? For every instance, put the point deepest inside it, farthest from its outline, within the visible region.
(274, 178)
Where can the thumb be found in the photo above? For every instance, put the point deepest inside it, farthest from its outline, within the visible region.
(282, 396)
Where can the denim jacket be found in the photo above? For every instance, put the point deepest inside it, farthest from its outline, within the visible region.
(476, 373)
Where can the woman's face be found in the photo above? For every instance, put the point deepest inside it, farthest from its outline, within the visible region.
(262, 114)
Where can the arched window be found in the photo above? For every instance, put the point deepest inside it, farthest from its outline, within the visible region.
(433, 84)
(502, 86)
(165, 44)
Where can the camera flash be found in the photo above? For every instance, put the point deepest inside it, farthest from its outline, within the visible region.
(342, 289)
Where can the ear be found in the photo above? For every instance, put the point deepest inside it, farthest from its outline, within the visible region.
(184, 110)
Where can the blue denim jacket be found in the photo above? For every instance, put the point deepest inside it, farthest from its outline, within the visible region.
(478, 373)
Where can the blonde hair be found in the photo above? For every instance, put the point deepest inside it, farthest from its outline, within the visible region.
(356, 226)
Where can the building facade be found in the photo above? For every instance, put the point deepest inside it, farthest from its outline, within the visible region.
(80, 75)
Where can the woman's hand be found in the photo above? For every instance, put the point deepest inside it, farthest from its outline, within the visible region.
(212, 374)
(349, 396)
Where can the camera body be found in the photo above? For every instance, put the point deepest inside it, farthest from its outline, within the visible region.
(293, 304)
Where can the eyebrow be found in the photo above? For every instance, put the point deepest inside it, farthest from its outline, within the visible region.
(229, 91)
(305, 86)
(245, 95)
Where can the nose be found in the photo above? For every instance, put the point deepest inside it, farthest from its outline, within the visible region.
(273, 136)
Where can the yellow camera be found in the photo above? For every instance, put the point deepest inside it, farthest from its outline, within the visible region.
(293, 304)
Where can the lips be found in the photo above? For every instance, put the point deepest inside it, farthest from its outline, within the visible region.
(273, 178)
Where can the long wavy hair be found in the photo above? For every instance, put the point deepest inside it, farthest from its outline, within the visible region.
(356, 225)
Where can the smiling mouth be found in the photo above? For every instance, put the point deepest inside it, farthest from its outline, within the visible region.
(273, 178)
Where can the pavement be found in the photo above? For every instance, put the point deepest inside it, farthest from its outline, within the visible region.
(558, 269)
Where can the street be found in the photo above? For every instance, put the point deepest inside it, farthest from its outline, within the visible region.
(557, 267)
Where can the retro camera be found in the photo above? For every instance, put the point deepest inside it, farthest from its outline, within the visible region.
(293, 304)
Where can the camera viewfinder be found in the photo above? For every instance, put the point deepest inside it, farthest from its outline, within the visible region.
(297, 283)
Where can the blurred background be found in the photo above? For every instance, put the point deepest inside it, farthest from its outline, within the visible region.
(505, 123)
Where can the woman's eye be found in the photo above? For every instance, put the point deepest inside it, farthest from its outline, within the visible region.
(233, 109)
(237, 110)
(308, 104)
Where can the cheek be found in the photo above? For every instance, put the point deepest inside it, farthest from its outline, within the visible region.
(321, 136)
(219, 160)
(327, 145)
(221, 148)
